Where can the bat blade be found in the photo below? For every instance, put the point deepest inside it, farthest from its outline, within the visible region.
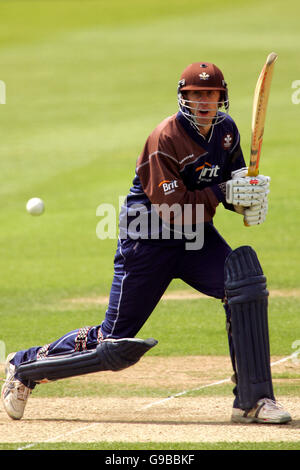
(260, 103)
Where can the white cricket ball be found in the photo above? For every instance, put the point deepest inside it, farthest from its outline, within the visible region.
(35, 206)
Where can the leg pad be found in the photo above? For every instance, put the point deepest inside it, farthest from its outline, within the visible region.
(247, 295)
(110, 354)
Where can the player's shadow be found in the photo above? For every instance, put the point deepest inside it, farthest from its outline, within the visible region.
(295, 424)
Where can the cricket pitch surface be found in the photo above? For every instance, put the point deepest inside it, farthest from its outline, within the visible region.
(183, 416)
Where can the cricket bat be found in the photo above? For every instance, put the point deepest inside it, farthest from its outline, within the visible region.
(259, 110)
(260, 103)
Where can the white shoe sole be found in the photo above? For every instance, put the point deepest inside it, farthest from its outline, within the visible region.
(250, 419)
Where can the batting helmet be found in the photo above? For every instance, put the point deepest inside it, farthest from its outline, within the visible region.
(202, 76)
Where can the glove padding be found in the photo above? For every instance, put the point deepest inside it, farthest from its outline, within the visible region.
(240, 173)
(256, 215)
(247, 191)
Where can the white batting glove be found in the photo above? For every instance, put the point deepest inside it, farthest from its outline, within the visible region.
(256, 215)
(247, 191)
(240, 173)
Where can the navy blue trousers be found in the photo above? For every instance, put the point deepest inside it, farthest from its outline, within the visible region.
(142, 272)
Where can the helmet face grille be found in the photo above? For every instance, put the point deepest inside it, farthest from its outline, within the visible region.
(198, 120)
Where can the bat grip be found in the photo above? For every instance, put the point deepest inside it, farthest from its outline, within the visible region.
(252, 172)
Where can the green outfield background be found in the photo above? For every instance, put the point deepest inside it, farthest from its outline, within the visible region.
(86, 82)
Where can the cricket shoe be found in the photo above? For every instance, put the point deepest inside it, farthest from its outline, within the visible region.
(265, 411)
(14, 394)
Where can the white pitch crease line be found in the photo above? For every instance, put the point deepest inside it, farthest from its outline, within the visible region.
(158, 402)
(29, 446)
(184, 393)
(58, 437)
(284, 359)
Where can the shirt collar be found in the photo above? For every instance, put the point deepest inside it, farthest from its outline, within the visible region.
(191, 131)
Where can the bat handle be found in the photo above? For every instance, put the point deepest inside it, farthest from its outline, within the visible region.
(252, 172)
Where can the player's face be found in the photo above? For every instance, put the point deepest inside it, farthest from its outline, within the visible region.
(203, 104)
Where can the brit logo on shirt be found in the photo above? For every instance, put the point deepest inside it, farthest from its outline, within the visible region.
(227, 141)
(168, 186)
(207, 172)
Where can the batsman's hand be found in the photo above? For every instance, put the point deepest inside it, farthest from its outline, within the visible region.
(247, 191)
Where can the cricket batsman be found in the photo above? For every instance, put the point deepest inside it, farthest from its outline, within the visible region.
(190, 163)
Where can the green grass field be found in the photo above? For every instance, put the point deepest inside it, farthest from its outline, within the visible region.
(86, 82)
